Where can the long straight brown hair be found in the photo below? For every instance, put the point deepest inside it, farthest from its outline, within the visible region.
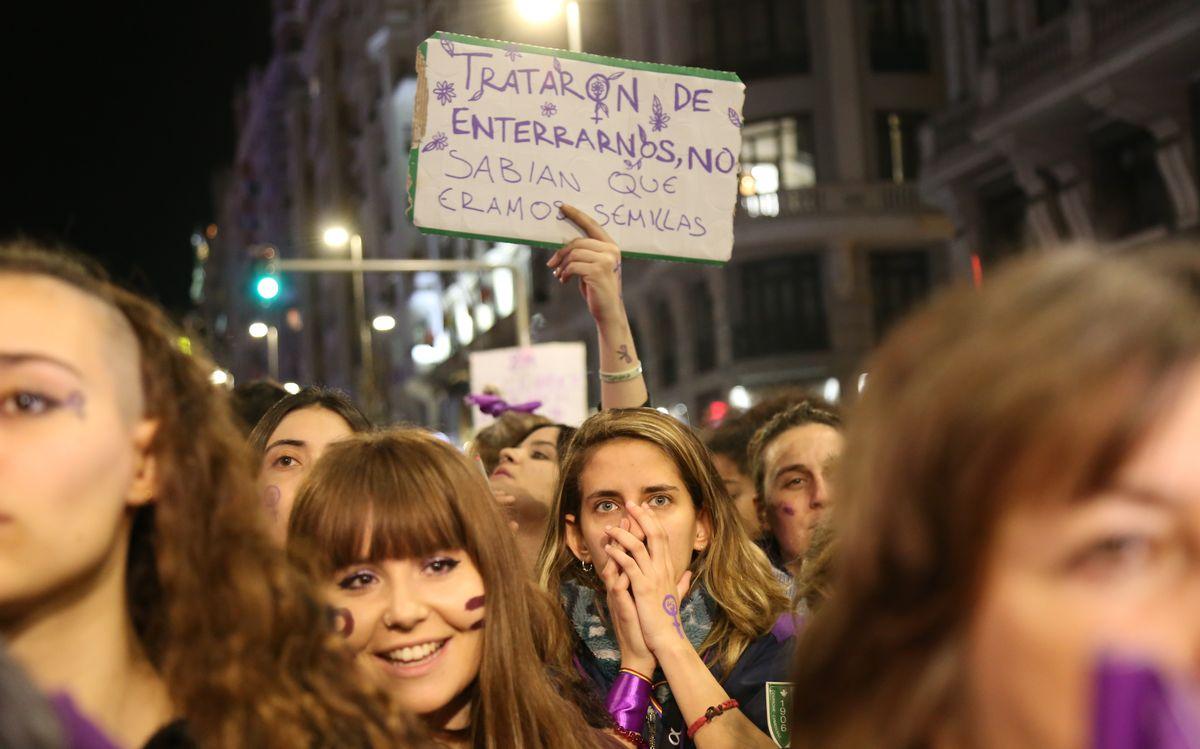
(734, 570)
(1034, 389)
(238, 635)
(405, 493)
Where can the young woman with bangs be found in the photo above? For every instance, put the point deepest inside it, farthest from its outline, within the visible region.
(424, 582)
(135, 575)
(674, 614)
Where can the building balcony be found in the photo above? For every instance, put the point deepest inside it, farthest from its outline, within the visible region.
(834, 199)
(1084, 36)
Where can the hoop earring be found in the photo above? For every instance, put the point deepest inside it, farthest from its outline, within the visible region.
(585, 566)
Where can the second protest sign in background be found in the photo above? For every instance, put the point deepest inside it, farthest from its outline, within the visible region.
(504, 133)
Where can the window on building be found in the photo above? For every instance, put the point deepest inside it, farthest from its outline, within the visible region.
(665, 341)
(782, 307)
(896, 142)
(899, 281)
(1128, 189)
(704, 330)
(777, 154)
(898, 39)
(753, 37)
(1048, 10)
(1003, 206)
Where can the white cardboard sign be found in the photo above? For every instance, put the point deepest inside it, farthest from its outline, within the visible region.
(553, 373)
(503, 133)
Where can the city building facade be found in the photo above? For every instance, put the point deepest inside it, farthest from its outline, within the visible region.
(833, 241)
(1068, 120)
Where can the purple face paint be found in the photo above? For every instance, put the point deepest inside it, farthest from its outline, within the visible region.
(787, 510)
(476, 625)
(75, 401)
(271, 498)
(671, 606)
(341, 622)
(475, 603)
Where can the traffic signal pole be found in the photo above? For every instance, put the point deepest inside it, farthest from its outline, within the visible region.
(387, 265)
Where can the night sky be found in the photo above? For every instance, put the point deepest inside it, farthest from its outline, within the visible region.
(115, 117)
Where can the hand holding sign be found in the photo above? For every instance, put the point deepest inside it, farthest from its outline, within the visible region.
(596, 261)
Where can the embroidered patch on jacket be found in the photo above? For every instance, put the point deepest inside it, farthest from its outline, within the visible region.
(779, 699)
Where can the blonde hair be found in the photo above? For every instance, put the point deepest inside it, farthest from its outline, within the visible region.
(733, 569)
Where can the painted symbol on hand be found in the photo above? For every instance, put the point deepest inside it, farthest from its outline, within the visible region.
(623, 352)
(671, 606)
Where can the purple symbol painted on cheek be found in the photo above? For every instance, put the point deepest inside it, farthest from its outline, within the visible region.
(788, 510)
(271, 499)
(341, 621)
(475, 603)
(75, 401)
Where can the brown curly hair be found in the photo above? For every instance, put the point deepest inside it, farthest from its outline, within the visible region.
(237, 634)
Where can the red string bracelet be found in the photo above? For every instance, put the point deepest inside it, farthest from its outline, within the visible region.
(709, 715)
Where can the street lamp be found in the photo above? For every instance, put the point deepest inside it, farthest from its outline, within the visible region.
(383, 323)
(271, 333)
(337, 237)
(541, 11)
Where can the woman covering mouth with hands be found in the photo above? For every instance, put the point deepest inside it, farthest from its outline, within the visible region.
(526, 476)
(674, 614)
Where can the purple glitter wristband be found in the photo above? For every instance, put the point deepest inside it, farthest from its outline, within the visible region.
(627, 701)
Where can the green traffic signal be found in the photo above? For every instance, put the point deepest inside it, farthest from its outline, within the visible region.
(267, 288)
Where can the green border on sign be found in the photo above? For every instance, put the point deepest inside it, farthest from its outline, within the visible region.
(414, 154)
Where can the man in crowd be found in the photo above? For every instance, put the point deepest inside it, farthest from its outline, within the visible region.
(793, 456)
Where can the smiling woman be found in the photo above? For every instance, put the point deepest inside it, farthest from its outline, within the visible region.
(428, 594)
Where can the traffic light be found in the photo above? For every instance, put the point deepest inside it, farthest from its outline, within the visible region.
(264, 281)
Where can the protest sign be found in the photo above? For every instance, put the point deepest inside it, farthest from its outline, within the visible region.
(553, 373)
(503, 133)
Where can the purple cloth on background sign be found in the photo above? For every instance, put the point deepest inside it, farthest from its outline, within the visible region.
(627, 701)
(1136, 708)
(78, 731)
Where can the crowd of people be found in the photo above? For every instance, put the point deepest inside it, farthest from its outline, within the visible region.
(997, 546)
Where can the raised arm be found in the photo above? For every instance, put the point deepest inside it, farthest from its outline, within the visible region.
(596, 261)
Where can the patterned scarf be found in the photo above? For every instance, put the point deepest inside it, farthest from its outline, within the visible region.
(589, 615)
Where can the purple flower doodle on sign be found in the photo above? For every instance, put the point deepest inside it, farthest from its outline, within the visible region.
(598, 87)
(512, 52)
(448, 46)
(734, 117)
(659, 118)
(444, 91)
(438, 142)
(549, 109)
(557, 65)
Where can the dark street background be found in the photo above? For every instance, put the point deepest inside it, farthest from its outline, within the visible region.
(116, 115)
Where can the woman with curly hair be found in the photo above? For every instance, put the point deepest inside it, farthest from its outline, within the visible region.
(429, 596)
(135, 575)
(675, 614)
